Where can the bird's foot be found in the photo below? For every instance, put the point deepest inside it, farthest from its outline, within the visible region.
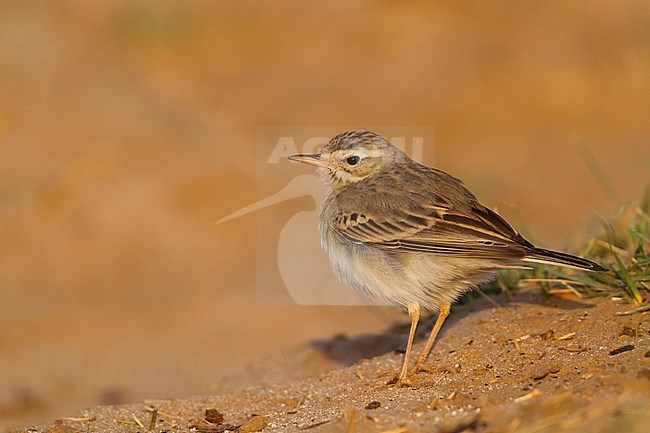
(418, 367)
(400, 382)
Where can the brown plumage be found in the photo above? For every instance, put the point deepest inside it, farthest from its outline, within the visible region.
(411, 235)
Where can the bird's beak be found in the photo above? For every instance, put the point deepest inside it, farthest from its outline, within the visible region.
(311, 159)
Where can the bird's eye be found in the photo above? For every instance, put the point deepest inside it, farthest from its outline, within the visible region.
(352, 160)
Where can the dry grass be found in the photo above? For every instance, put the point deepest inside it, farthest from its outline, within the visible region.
(623, 247)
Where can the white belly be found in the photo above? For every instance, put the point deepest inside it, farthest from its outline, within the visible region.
(392, 278)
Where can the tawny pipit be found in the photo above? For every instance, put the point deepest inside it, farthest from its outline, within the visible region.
(410, 235)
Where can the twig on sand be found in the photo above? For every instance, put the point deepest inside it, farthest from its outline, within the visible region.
(528, 396)
(351, 415)
(137, 421)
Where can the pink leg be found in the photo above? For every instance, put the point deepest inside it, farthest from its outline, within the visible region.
(443, 312)
(414, 314)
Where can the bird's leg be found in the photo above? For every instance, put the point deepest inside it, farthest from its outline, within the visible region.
(443, 312)
(414, 314)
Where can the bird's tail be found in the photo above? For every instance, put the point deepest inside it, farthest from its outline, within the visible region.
(548, 257)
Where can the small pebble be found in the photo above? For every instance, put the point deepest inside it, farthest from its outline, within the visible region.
(622, 349)
(213, 416)
(373, 405)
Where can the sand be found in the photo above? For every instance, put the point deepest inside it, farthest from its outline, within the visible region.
(532, 364)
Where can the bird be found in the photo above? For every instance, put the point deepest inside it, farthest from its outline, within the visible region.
(410, 235)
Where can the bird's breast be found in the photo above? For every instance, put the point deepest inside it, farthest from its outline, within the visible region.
(398, 278)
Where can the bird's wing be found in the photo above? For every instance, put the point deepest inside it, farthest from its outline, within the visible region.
(479, 233)
(475, 231)
(381, 227)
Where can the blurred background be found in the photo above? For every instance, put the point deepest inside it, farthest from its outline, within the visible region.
(127, 128)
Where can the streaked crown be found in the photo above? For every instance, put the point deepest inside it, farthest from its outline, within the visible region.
(353, 156)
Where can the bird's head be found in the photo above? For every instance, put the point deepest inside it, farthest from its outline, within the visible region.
(351, 157)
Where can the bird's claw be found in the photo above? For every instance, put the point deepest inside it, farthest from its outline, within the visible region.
(418, 368)
(399, 382)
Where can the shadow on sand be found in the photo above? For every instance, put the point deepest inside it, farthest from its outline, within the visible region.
(349, 350)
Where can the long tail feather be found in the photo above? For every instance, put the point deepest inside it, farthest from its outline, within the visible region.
(540, 255)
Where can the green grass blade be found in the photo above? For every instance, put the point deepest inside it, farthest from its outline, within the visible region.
(626, 277)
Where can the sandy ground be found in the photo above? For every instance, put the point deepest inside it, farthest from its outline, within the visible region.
(128, 127)
(531, 365)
